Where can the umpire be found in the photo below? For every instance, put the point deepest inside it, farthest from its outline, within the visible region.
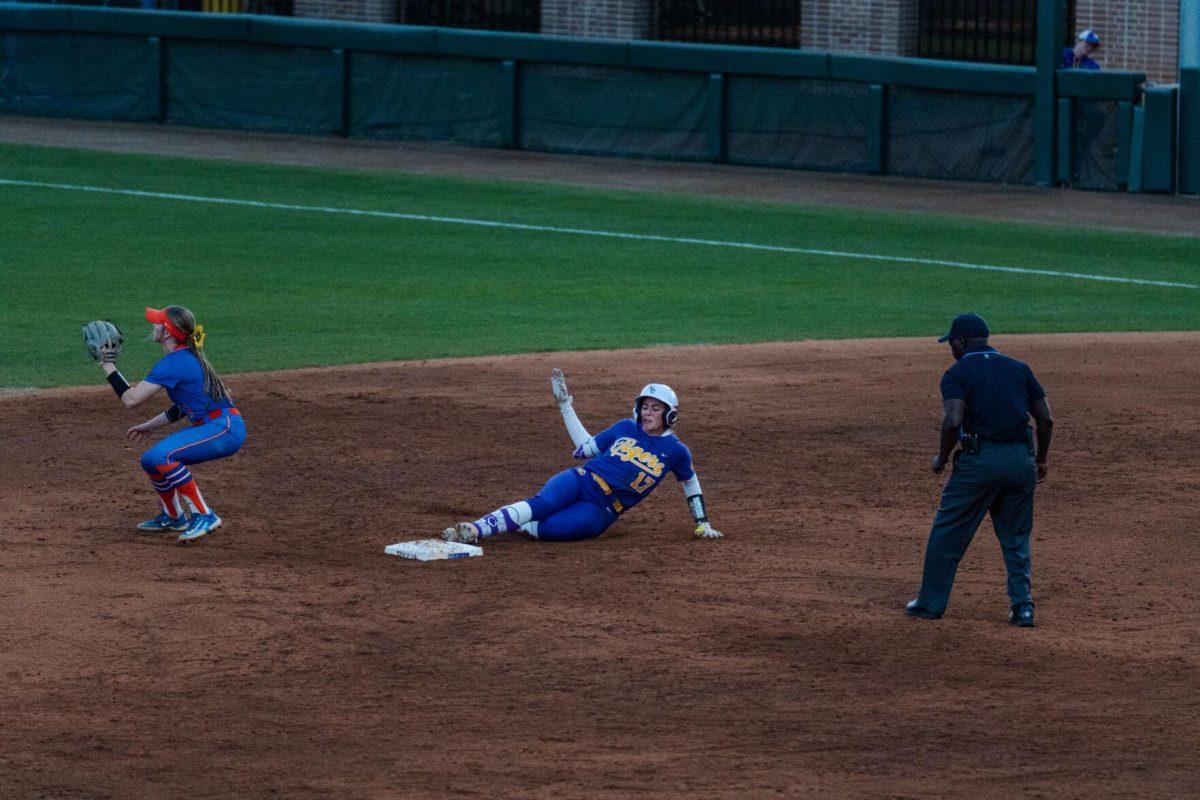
(987, 399)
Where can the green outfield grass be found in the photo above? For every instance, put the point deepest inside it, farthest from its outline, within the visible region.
(284, 288)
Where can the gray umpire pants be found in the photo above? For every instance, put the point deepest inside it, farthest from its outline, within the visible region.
(999, 479)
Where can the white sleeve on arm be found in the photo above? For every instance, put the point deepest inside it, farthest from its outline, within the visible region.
(691, 486)
(579, 435)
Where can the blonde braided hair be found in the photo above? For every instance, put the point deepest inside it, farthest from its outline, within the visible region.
(185, 321)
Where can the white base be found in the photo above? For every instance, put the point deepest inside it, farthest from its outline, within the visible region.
(432, 550)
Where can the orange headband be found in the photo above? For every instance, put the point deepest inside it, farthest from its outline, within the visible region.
(159, 316)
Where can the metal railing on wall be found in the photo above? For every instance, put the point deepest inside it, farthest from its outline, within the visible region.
(495, 15)
(765, 23)
(280, 8)
(992, 31)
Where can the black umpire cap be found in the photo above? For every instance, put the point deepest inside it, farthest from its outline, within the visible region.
(967, 326)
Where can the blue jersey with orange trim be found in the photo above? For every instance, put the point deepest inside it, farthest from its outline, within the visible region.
(633, 462)
(180, 373)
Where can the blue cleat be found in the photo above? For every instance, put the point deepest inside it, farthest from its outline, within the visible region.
(199, 525)
(164, 522)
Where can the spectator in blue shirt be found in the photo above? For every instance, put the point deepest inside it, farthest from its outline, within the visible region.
(1079, 56)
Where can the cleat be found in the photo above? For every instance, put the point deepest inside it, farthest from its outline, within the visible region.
(915, 609)
(1021, 615)
(199, 525)
(464, 532)
(164, 522)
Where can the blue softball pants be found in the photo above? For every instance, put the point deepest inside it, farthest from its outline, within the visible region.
(214, 439)
(570, 507)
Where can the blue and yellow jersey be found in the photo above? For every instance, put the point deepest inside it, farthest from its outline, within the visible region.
(180, 373)
(632, 462)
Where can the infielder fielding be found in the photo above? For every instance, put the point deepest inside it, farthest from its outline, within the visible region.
(197, 393)
(987, 399)
(626, 462)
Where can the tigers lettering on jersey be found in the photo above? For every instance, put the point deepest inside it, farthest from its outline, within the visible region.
(628, 450)
(633, 463)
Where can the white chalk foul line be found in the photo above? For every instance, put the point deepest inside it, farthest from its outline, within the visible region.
(640, 237)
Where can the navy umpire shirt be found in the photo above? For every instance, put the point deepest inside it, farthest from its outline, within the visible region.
(999, 391)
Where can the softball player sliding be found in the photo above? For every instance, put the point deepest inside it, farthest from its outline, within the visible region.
(197, 393)
(625, 463)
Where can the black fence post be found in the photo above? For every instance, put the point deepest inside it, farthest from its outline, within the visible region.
(877, 134)
(1189, 130)
(1137, 149)
(1065, 144)
(341, 91)
(717, 127)
(510, 133)
(157, 90)
(1160, 148)
(1049, 41)
(1124, 141)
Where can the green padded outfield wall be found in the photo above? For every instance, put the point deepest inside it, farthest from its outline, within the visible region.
(568, 108)
(934, 134)
(424, 97)
(89, 76)
(798, 122)
(250, 87)
(1189, 130)
(1158, 152)
(742, 105)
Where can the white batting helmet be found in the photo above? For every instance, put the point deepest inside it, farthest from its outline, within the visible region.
(663, 394)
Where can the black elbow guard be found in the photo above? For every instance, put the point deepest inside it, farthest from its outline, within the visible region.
(174, 413)
(117, 381)
(696, 504)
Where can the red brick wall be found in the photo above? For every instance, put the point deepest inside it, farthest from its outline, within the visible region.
(617, 19)
(870, 27)
(353, 10)
(1135, 35)
(1138, 35)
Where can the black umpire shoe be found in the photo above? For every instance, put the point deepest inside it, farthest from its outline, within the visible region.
(1021, 615)
(915, 609)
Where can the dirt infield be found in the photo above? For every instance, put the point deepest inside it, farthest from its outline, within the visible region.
(287, 656)
(1175, 215)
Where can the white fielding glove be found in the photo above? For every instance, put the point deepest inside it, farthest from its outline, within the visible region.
(558, 385)
(706, 531)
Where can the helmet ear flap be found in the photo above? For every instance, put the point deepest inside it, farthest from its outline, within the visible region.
(669, 417)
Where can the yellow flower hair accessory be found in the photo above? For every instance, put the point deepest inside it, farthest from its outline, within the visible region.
(198, 336)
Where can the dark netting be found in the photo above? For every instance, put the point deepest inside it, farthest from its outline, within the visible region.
(795, 122)
(961, 136)
(251, 87)
(422, 97)
(617, 112)
(1094, 144)
(77, 75)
